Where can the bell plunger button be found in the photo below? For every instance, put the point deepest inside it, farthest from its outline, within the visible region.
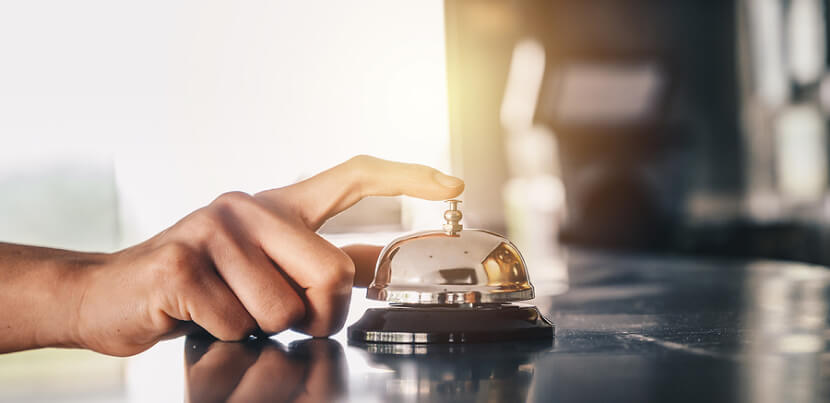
(452, 217)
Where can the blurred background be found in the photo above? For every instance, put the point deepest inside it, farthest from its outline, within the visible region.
(674, 126)
(667, 126)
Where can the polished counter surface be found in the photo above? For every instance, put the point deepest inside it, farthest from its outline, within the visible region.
(629, 329)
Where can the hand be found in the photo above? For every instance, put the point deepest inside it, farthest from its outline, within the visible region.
(244, 264)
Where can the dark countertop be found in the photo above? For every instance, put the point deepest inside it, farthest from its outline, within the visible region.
(630, 329)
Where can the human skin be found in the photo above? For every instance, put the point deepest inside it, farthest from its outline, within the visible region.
(242, 265)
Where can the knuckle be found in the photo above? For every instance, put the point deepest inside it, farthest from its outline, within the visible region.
(178, 264)
(359, 167)
(178, 254)
(272, 325)
(327, 327)
(235, 333)
(290, 311)
(248, 323)
(237, 325)
(324, 329)
(422, 172)
(204, 224)
(244, 328)
(234, 198)
(361, 160)
(319, 331)
(338, 272)
(345, 272)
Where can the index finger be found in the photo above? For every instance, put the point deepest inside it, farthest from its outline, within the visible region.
(328, 193)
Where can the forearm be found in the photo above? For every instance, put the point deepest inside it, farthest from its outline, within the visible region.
(40, 292)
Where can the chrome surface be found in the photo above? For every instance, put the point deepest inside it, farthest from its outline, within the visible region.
(470, 267)
(452, 218)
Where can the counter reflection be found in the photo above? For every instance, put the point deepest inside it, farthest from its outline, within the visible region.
(786, 341)
(311, 370)
(487, 372)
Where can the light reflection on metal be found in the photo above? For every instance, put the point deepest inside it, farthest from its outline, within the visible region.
(450, 286)
(472, 267)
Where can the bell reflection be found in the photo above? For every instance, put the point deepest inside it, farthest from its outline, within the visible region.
(505, 268)
(457, 373)
(787, 313)
(310, 370)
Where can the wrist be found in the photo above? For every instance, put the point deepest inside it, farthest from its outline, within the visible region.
(67, 282)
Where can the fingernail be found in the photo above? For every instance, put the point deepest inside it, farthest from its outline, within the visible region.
(447, 181)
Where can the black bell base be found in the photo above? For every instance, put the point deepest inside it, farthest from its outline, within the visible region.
(436, 324)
